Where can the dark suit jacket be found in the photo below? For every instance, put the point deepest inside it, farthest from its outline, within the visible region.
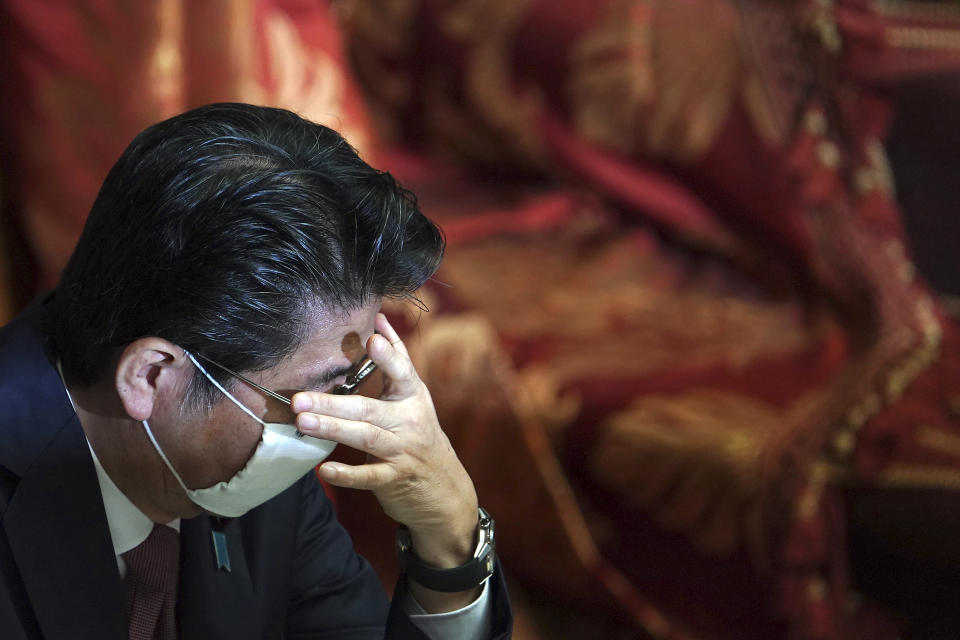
(294, 571)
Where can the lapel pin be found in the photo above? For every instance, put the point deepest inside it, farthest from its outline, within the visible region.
(220, 551)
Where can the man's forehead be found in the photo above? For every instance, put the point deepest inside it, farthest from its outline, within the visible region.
(333, 344)
(325, 320)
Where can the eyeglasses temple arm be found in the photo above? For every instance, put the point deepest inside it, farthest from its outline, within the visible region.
(272, 394)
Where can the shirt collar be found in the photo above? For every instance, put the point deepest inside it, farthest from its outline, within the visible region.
(128, 525)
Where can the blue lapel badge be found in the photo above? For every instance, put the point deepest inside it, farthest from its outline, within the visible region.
(220, 550)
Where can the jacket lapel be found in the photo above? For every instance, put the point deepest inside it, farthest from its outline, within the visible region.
(58, 533)
(213, 603)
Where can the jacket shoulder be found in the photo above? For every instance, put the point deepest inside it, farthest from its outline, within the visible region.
(33, 400)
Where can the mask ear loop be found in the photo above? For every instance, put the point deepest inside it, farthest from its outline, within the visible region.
(153, 439)
(220, 387)
(166, 461)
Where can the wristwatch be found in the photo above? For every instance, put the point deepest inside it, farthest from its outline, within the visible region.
(462, 578)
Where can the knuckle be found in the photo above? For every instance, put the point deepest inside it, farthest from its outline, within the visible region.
(373, 478)
(330, 427)
(409, 370)
(364, 411)
(372, 438)
(318, 403)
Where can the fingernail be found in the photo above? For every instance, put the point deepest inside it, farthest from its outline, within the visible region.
(329, 470)
(307, 421)
(302, 403)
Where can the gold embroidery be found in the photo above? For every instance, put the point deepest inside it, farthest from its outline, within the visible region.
(613, 76)
(828, 154)
(644, 310)
(918, 9)
(917, 360)
(554, 409)
(938, 440)
(487, 30)
(816, 482)
(817, 588)
(815, 122)
(922, 356)
(876, 173)
(634, 313)
(694, 460)
(823, 24)
(918, 476)
(165, 67)
(643, 80)
(307, 81)
(923, 38)
(844, 442)
(860, 412)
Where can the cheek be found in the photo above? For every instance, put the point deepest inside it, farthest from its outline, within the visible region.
(228, 443)
(238, 443)
(278, 412)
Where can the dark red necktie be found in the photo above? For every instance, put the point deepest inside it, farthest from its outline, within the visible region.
(151, 585)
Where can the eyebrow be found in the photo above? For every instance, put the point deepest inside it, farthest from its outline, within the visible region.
(324, 378)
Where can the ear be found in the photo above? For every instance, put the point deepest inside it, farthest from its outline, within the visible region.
(149, 368)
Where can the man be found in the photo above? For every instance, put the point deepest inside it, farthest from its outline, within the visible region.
(228, 239)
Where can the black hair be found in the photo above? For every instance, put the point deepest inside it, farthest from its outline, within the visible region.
(221, 230)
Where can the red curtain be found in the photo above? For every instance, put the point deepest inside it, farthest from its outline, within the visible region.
(678, 339)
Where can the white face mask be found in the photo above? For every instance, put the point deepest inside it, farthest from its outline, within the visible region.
(282, 457)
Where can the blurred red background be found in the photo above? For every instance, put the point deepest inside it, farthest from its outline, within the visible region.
(680, 338)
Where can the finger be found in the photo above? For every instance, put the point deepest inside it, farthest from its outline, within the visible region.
(364, 476)
(394, 363)
(362, 436)
(385, 329)
(356, 407)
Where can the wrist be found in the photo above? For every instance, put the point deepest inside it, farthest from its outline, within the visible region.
(446, 584)
(447, 548)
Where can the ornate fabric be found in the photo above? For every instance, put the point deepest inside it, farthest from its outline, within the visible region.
(82, 78)
(713, 331)
(682, 331)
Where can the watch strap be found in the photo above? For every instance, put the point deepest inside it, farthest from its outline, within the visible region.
(467, 576)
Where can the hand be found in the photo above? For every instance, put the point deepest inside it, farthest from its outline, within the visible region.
(411, 467)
